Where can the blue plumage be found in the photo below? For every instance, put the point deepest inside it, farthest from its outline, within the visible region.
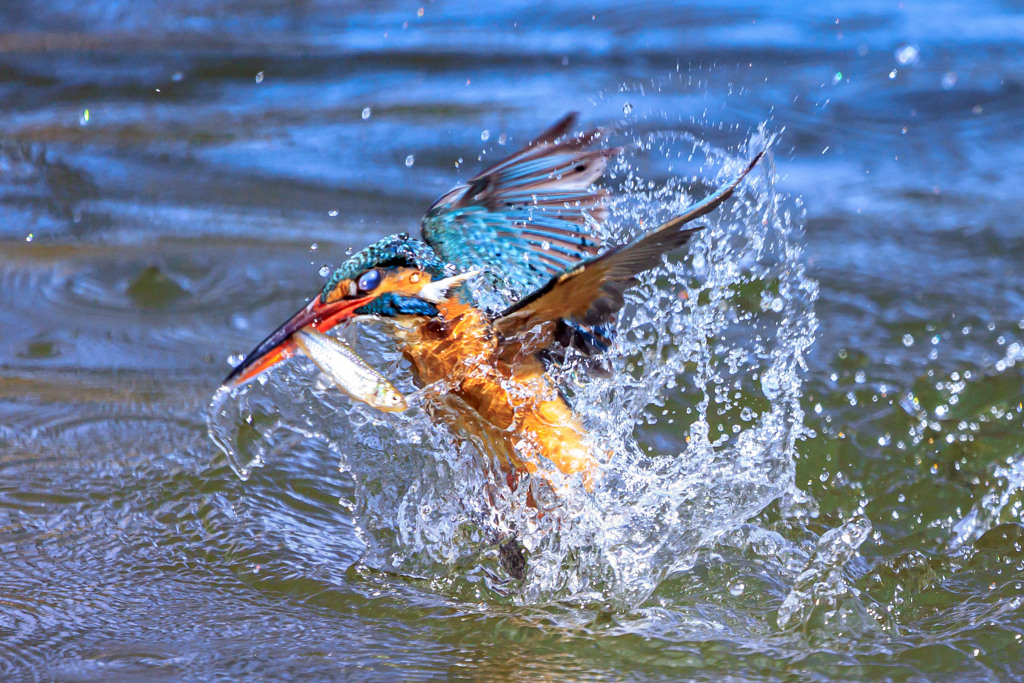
(529, 217)
(390, 304)
(394, 250)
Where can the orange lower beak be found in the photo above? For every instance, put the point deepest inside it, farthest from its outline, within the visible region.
(280, 345)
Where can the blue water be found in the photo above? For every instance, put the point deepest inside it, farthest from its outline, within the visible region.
(166, 170)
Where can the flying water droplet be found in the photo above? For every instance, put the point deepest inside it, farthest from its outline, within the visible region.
(410, 160)
(324, 271)
(908, 55)
(259, 77)
(367, 112)
(627, 109)
(485, 135)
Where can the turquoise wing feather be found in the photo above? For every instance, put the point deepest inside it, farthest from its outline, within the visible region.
(579, 305)
(528, 217)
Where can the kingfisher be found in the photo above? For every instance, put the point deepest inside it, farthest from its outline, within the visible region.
(528, 226)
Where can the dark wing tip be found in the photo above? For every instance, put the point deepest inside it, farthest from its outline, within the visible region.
(555, 131)
(753, 163)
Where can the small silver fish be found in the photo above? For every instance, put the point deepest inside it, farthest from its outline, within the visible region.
(350, 372)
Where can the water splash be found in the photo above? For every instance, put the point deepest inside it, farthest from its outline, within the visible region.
(697, 423)
(823, 597)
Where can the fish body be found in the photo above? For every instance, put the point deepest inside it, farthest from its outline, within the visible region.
(350, 372)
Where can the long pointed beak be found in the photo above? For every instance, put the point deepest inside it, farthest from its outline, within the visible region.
(280, 345)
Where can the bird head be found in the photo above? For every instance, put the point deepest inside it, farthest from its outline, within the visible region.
(397, 277)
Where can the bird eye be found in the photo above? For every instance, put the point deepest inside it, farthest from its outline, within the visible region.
(369, 280)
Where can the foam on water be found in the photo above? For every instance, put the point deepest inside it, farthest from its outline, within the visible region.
(708, 363)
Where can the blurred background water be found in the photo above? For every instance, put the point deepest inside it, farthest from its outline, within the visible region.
(174, 175)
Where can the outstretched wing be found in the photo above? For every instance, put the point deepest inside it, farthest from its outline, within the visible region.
(528, 217)
(587, 296)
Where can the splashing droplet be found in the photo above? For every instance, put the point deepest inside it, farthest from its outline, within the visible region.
(367, 112)
(410, 160)
(627, 109)
(485, 135)
(259, 77)
(908, 55)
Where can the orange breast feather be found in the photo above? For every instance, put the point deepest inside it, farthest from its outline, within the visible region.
(513, 411)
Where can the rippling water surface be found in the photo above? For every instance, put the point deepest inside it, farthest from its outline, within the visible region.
(822, 473)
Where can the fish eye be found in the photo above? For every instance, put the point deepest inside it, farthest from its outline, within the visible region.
(369, 280)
